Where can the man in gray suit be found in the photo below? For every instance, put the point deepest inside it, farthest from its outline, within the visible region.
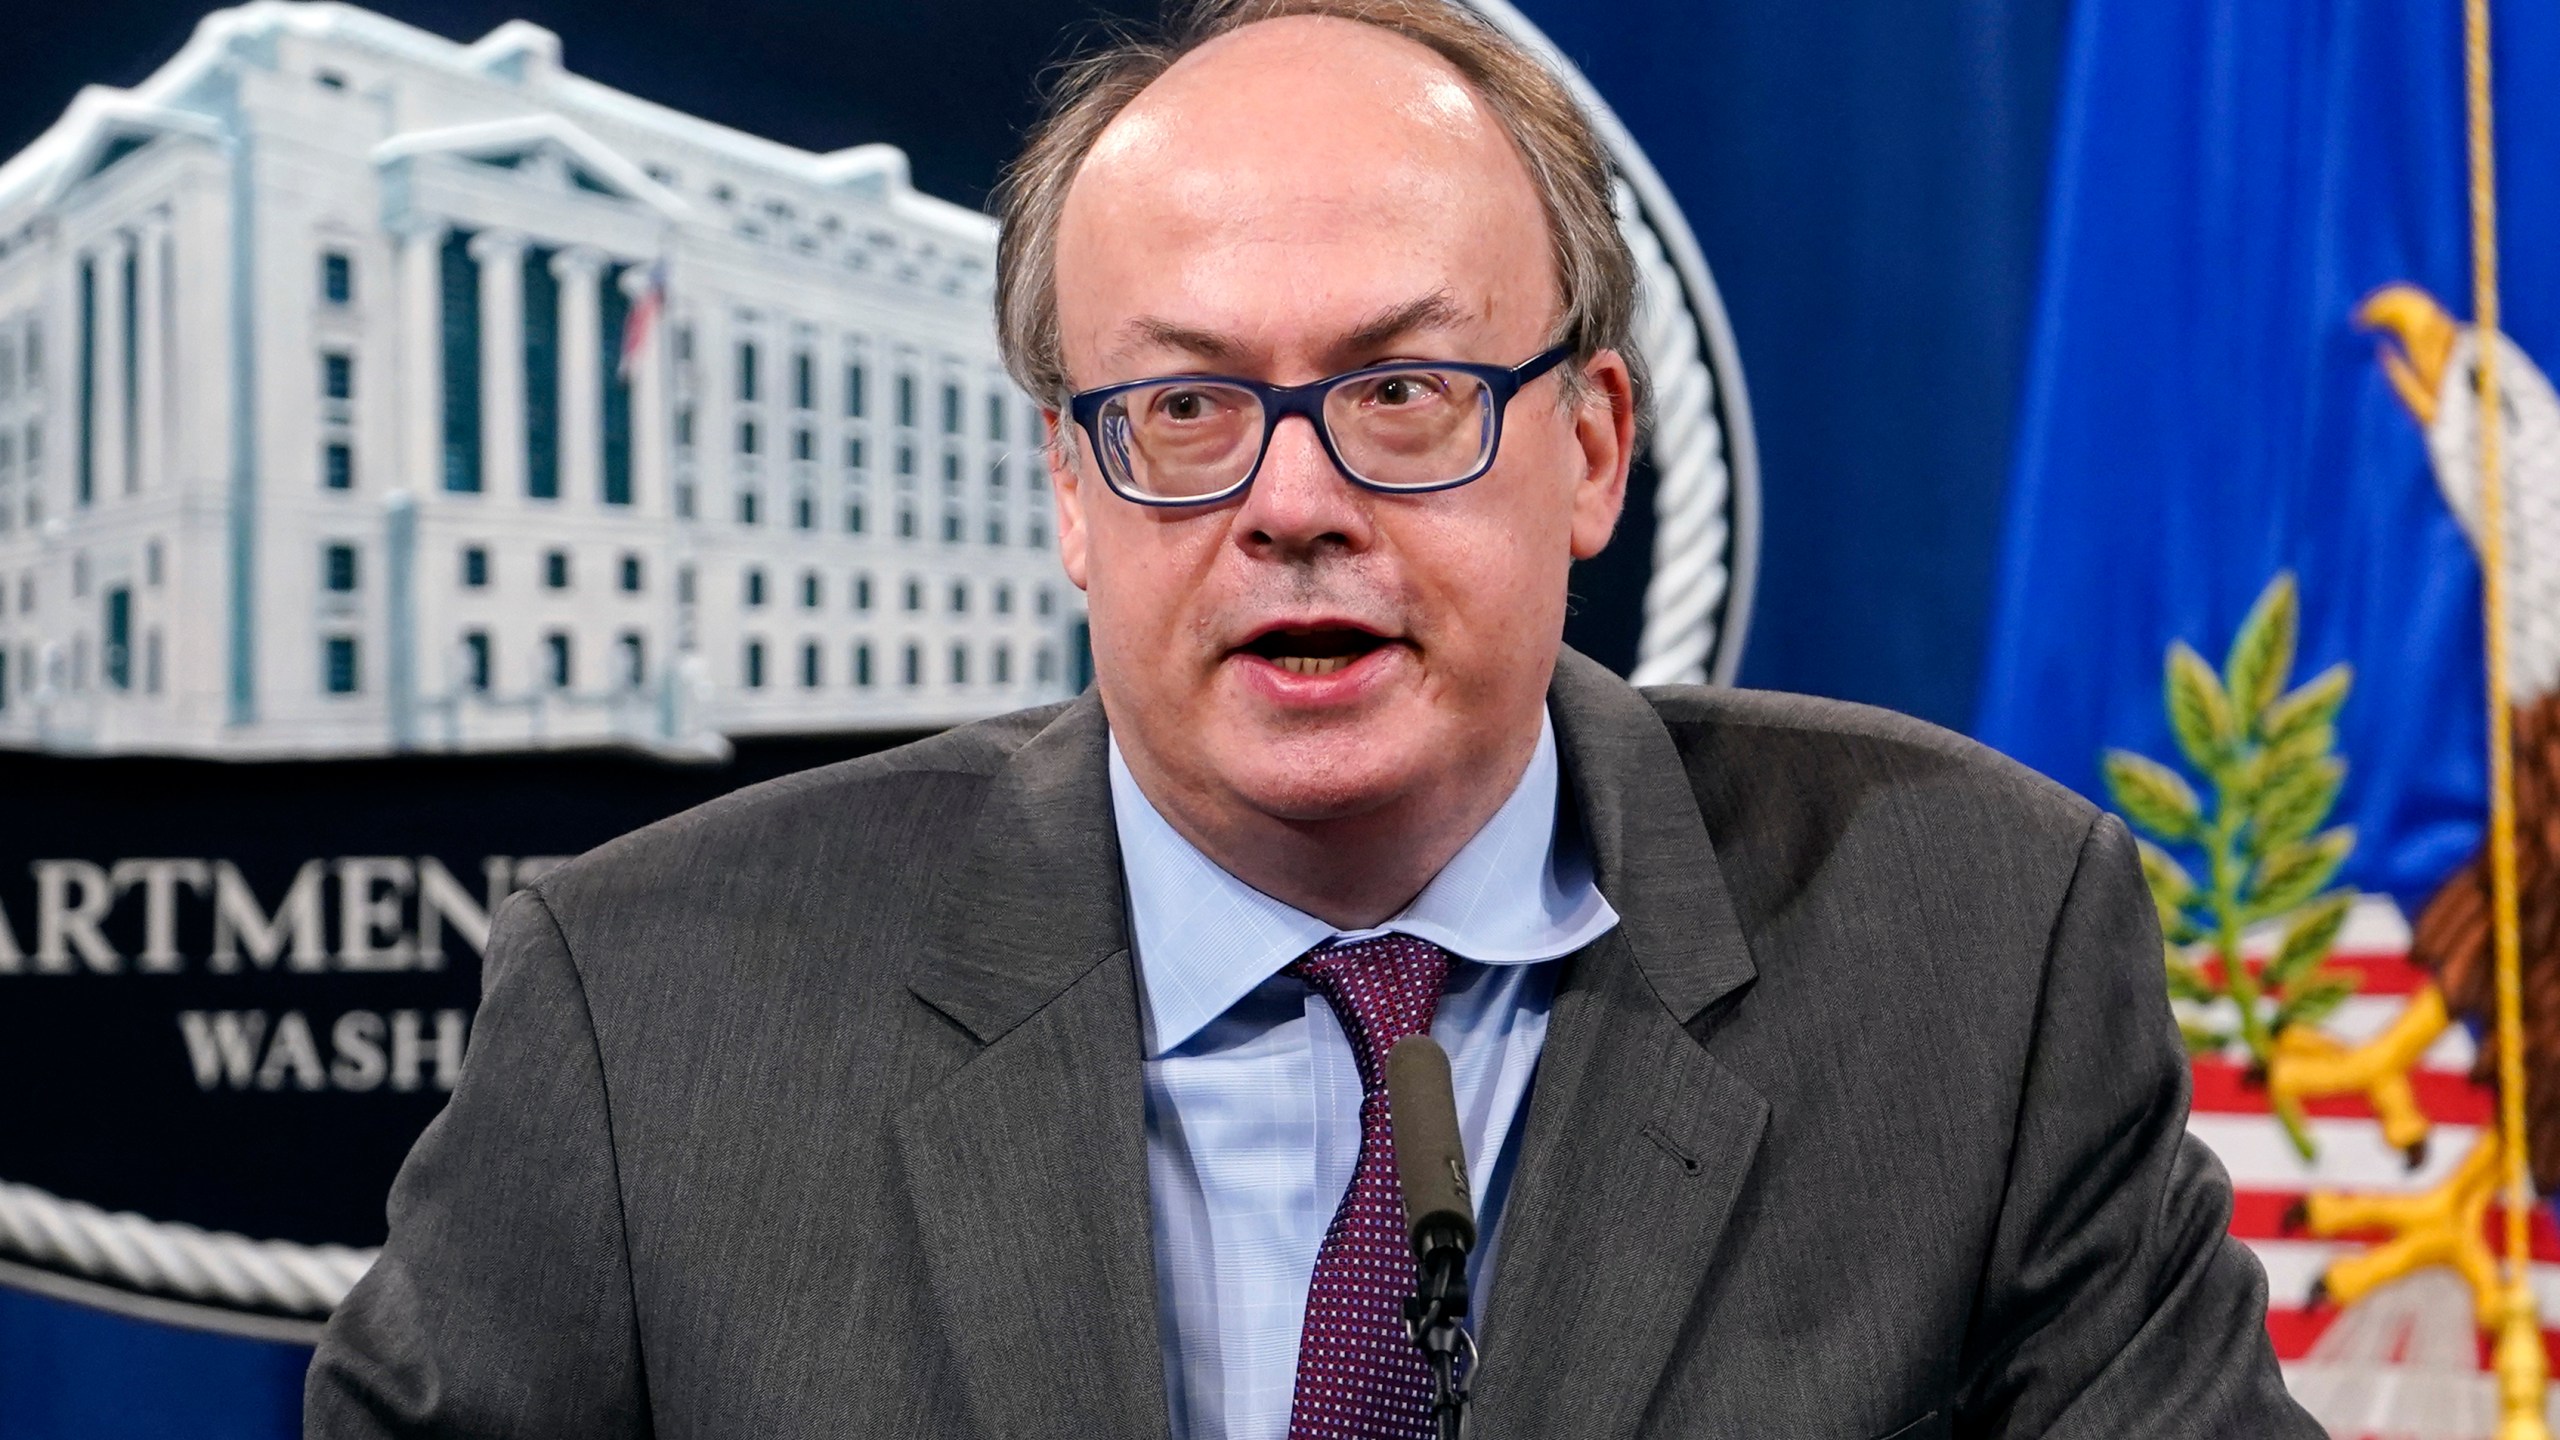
(1814, 1064)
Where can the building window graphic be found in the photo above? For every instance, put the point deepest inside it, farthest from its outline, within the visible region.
(635, 660)
(86, 462)
(338, 664)
(809, 664)
(631, 574)
(475, 660)
(541, 375)
(475, 567)
(338, 569)
(458, 281)
(755, 665)
(853, 398)
(555, 570)
(131, 369)
(555, 647)
(862, 664)
(338, 465)
(337, 277)
(907, 400)
(338, 376)
(614, 315)
(1003, 668)
(914, 668)
(950, 409)
(804, 382)
(117, 652)
(755, 589)
(811, 589)
(959, 664)
(747, 371)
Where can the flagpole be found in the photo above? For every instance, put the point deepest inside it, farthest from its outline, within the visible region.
(2522, 1368)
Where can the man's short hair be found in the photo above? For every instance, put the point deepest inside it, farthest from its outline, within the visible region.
(1595, 272)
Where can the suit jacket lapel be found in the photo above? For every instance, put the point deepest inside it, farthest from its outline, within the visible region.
(1638, 1140)
(1027, 1166)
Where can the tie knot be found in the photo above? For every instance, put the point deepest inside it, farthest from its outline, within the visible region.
(1382, 990)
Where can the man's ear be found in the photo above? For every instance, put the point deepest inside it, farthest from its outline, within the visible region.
(1059, 453)
(1604, 425)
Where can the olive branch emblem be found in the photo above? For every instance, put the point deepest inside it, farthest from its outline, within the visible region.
(2257, 854)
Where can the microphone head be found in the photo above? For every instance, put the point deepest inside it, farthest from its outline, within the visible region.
(1431, 1156)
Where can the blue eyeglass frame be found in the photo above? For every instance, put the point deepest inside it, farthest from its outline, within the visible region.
(1501, 383)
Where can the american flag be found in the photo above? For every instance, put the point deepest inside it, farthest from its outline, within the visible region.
(2407, 1360)
(643, 314)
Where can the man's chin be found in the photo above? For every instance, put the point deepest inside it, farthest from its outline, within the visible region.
(1341, 773)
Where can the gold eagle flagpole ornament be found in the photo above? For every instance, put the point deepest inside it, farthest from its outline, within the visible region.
(2523, 1372)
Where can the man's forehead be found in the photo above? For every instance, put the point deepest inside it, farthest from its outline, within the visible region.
(1331, 92)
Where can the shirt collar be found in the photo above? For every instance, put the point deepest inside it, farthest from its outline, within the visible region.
(1513, 895)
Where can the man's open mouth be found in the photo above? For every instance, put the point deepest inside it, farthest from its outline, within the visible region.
(1321, 650)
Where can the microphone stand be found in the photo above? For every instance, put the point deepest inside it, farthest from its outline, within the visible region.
(1435, 1316)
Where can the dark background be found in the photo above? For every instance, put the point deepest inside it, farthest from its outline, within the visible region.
(1866, 178)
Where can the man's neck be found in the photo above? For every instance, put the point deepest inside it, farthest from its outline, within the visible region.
(1353, 872)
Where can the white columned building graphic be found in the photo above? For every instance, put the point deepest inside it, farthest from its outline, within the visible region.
(362, 391)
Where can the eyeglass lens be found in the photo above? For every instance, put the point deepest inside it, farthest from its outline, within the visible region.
(1396, 429)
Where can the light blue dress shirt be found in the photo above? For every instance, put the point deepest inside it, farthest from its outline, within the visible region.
(1253, 1098)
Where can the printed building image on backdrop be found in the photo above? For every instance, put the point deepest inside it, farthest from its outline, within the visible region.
(366, 392)
(2292, 212)
(419, 464)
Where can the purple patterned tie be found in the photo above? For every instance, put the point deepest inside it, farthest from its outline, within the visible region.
(1359, 1375)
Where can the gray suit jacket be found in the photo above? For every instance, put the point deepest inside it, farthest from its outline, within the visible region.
(817, 1112)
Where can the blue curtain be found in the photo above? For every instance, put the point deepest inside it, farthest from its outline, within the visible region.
(1866, 178)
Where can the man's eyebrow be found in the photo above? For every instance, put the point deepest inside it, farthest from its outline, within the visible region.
(1436, 310)
(1148, 330)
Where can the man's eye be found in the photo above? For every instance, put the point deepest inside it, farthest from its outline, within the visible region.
(1186, 405)
(1397, 391)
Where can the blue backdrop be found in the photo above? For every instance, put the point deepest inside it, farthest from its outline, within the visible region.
(1865, 177)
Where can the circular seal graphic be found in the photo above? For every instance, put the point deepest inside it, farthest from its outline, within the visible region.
(292, 758)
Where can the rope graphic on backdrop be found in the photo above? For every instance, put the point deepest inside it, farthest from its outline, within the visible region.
(1692, 483)
(136, 1252)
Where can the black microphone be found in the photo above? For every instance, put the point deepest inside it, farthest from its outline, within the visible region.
(1440, 1216)
(1431, 1156)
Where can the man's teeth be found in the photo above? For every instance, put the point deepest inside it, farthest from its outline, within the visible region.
(1313, 664)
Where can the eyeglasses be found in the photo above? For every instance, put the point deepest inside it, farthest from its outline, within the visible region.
(1404, 428)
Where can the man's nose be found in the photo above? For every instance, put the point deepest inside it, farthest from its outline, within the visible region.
(1299, 501)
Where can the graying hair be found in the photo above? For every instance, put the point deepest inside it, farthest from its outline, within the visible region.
(1595, 272)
